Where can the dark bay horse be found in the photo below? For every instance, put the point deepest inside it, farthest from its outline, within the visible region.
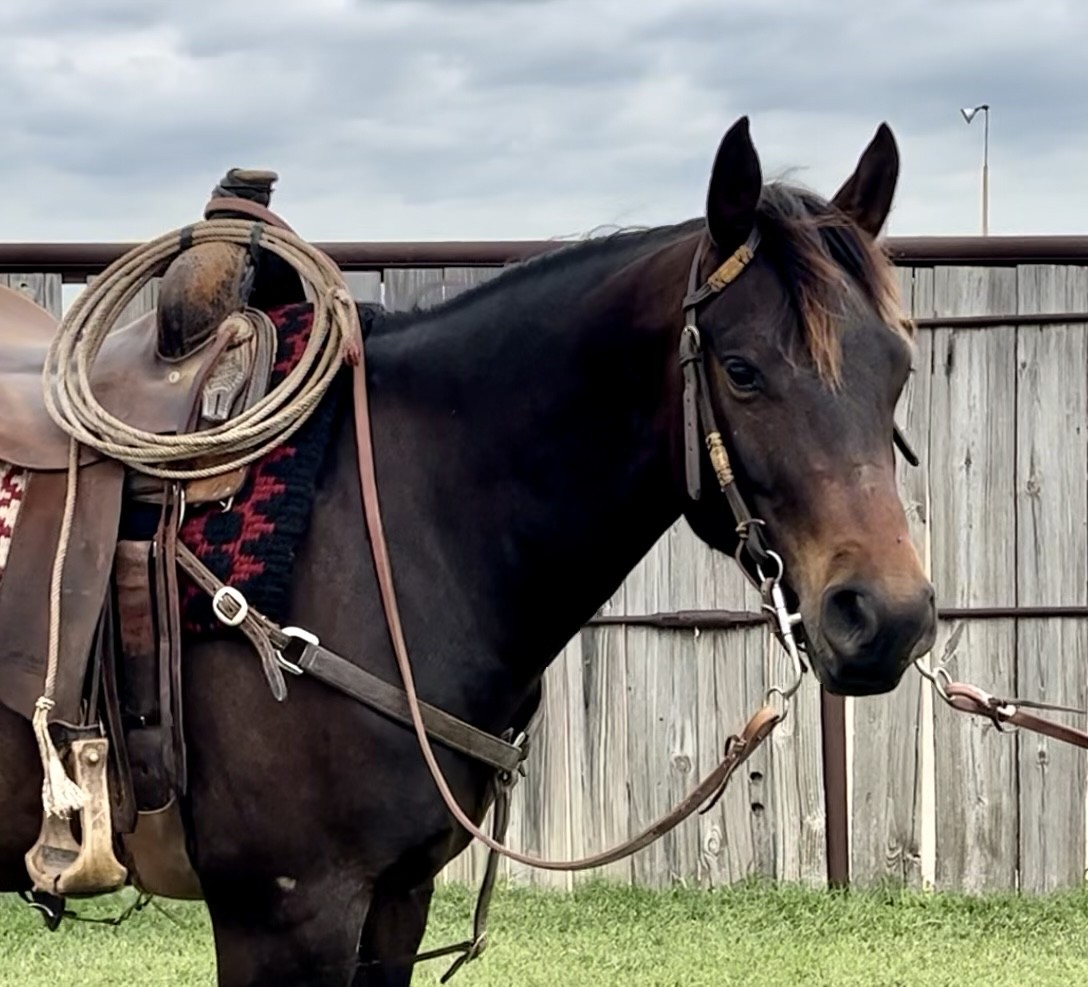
(529, 451)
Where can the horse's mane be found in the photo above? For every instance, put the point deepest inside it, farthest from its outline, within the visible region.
(810, 242)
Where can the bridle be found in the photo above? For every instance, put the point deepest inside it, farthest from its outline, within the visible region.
(761, 566)
(753, 555)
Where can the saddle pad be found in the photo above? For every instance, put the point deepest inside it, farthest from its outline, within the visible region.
(12, 490)
(252, 545)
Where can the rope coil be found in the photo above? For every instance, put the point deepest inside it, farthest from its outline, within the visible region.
(334, 338)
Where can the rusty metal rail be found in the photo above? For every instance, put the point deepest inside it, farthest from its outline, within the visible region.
(75, 261)
(717, 620)
(992, 321)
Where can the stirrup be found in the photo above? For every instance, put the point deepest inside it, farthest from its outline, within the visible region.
(57, 864)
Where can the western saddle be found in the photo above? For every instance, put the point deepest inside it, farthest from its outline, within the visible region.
(204, 355)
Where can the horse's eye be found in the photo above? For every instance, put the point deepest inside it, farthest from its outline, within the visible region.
(742, 375)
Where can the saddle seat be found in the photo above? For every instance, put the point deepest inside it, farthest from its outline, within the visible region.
(129, 378)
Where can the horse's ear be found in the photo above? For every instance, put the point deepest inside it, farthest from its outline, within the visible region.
(866, 196)
(735, 184)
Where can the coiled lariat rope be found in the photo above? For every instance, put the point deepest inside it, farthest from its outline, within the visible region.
(335, 338)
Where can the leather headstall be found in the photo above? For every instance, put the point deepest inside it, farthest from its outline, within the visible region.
(699, 409)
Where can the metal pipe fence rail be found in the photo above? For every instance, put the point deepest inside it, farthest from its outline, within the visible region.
(861, 791)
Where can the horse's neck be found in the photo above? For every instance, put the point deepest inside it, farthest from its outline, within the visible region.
(525, 461)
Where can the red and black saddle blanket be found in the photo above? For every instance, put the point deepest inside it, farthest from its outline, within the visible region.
(252, 544)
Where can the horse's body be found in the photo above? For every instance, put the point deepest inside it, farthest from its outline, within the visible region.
(529, 451)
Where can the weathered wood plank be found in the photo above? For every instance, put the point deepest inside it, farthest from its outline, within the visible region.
(411, 288)
(649, 689)
(140, 304)
(1052, 569)
(972, 450)
(44, 289)
(885, 762)
(606, 809)
(455, 280)
(797, 778)
(681, 714)
(365, 286)
(736, 837)
(556, 837)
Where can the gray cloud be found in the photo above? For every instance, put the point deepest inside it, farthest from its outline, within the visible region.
(401, 119)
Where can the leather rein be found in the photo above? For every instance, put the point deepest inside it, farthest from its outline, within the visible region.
(298, 651)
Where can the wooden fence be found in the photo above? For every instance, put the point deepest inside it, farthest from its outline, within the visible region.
(999, 509)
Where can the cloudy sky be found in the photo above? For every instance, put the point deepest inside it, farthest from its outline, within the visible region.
(480, 119)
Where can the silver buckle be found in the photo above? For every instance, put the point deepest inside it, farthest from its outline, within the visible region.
(772, 589)
(239, 601)
(300, 634)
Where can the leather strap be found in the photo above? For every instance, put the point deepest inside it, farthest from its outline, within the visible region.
(378, 694)
(737, 749)
(970, 699)
(230, 206)
(699, 410)
(280, 650)
(265, 637)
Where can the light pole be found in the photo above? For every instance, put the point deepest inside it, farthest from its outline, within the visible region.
(969, 114)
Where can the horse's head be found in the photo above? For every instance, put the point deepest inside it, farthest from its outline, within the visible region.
(805, 356)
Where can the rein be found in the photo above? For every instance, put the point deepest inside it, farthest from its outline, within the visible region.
(737, 749)
(298, 651)
(966, 698)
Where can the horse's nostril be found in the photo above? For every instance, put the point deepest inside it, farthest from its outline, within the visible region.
(850, 619)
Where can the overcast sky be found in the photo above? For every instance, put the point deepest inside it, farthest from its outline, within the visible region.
(480, 119)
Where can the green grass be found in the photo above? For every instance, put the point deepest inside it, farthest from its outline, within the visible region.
(753, 935)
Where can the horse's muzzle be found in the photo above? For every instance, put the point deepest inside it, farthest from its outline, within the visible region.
(870, 637)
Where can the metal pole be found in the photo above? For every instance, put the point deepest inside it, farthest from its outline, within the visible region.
(836, 806)
(986, 171)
